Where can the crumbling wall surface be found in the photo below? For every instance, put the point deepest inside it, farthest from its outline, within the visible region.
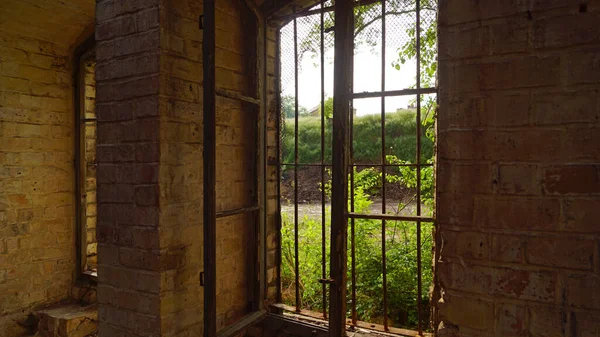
(518, 169)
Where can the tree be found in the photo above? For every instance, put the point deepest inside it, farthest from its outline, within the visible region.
(288, 106)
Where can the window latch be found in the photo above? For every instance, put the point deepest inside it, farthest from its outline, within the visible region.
(326, 281)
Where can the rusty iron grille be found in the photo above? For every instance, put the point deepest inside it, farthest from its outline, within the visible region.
(393, 80)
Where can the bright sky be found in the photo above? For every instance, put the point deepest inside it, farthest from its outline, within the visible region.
(367, 77)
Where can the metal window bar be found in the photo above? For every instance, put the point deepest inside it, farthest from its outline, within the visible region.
(257, 285)
(296, 261)
(418, 219)
(323, 216)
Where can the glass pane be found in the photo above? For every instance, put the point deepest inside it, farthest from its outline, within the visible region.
(401, 254)
(428, 43)
(367, 47)
(288, 254)
(427, 191)
(369, 270)
(400, 42)
(309, 89)
(428, 116)
(310, 237)
(401, 129)
(400, 190)
(365, 190)
(366, 131)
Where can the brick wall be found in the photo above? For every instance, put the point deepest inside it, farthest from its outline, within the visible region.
(131, 264)
(36, 177)
(272, 242)
(518, 169)
(149, 106)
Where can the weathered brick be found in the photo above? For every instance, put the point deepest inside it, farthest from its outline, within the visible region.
(504, 282)
(465, 178)
(507, 248)
(521, 72)
(572, 179)
(526, 213)
(551, 32)
(510, 319)
(455, 209)
(560, 108)
(583, 291)
(546, 321)
(509, 36)
(471, 10)
(582, 215)
(466, 245)
(467, 312)
(577, 73)
(518, 179)
(464, 43)
(560, 252)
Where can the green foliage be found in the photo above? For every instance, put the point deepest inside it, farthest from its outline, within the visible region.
(401, 138)
(400, 236)
(401, 254)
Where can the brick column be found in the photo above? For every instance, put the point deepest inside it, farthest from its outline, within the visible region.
(149, 80)
(130, 259)
(518, 185)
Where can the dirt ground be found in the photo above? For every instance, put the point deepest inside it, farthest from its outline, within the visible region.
(309, 195)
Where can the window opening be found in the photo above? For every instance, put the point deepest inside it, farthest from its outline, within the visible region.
(86, 162)
(391, 184)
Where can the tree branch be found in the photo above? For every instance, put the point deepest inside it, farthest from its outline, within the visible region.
(377, 18)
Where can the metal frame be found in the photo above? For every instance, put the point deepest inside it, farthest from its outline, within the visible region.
(256, 258)
(81, 53)
(342, 154)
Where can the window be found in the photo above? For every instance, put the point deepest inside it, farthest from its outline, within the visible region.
(391, 152)
(85, 144)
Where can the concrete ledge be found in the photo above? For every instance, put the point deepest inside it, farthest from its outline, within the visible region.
(68, 320)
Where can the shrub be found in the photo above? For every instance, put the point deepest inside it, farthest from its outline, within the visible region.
(401, 256)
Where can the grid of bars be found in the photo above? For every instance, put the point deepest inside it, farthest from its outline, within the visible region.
(377, 18)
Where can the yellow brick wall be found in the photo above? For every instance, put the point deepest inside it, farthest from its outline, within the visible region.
(181, 156)
(272, 241)
(37, 247)
(89, 167)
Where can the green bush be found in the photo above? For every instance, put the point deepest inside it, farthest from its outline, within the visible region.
(401, 256)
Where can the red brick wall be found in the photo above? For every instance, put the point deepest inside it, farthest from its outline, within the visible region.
(518, 169)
